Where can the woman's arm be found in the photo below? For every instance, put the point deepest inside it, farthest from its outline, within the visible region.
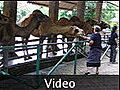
(88, 38)
(91, 42)
(116, 40)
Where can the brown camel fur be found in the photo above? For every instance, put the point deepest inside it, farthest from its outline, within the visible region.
(49, 28)
(92, 22)
(10, 30)
(13, 30)
(76, 22)
(86, 26)
(102, 24)
(63, 22)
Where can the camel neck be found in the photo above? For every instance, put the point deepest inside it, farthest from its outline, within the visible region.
(25, 31)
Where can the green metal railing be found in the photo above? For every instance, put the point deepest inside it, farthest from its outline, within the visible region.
(38, 47)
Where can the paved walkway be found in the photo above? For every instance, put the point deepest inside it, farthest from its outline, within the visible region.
(83, 82)
(67, 68)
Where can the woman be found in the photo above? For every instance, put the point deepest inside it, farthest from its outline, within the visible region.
(93, 59)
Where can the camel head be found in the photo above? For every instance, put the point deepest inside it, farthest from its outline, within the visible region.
(104, 25)
(74, 19)
(75, 31)
(40, 16)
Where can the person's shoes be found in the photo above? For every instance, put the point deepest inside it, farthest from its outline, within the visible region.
(97, 73)
(87, 73)
(114, 62)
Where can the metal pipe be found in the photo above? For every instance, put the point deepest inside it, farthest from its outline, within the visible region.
(105, 52)
(60, 61)
(38, 59)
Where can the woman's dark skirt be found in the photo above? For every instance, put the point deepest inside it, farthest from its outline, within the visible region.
(93, 59)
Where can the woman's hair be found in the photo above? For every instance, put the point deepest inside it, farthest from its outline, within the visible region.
(114, 28)
(97, 28)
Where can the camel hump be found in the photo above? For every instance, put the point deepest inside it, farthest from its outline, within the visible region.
(63, 22)
(92, 22)
(74, 18)
(37, 11)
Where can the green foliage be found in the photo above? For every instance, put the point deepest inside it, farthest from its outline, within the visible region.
(67, 14)
(21, 13)
(90, 11)
(1, 6)
(25, 8)
(108, 13)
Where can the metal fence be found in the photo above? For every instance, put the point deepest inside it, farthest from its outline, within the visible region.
(77, 47)
(6, 49)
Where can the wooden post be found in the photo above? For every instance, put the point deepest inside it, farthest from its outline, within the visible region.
(81, 9)
(98, 10)
(53, 10)
(10, 9)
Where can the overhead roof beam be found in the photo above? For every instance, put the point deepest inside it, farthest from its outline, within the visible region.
(69, 2)
(47, 5)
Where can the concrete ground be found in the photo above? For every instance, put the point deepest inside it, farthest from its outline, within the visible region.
(67, 68)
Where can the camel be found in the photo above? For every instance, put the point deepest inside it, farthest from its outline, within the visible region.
(102, 24)
(86, 26)
(92, 22)
(10, 30)
(49, 28)
(76, 22)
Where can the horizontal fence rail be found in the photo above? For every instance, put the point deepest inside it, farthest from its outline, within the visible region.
(22, 48)
(38, 61)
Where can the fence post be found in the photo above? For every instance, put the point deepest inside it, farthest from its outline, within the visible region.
(76, 54)
(38, 59)
(5, 60)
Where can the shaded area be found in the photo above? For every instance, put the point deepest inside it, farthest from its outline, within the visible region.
(23, 68)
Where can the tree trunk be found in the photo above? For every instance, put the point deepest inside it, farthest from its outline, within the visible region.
(81, 9)
(10, 9)
(98, 10)
(53, 10)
